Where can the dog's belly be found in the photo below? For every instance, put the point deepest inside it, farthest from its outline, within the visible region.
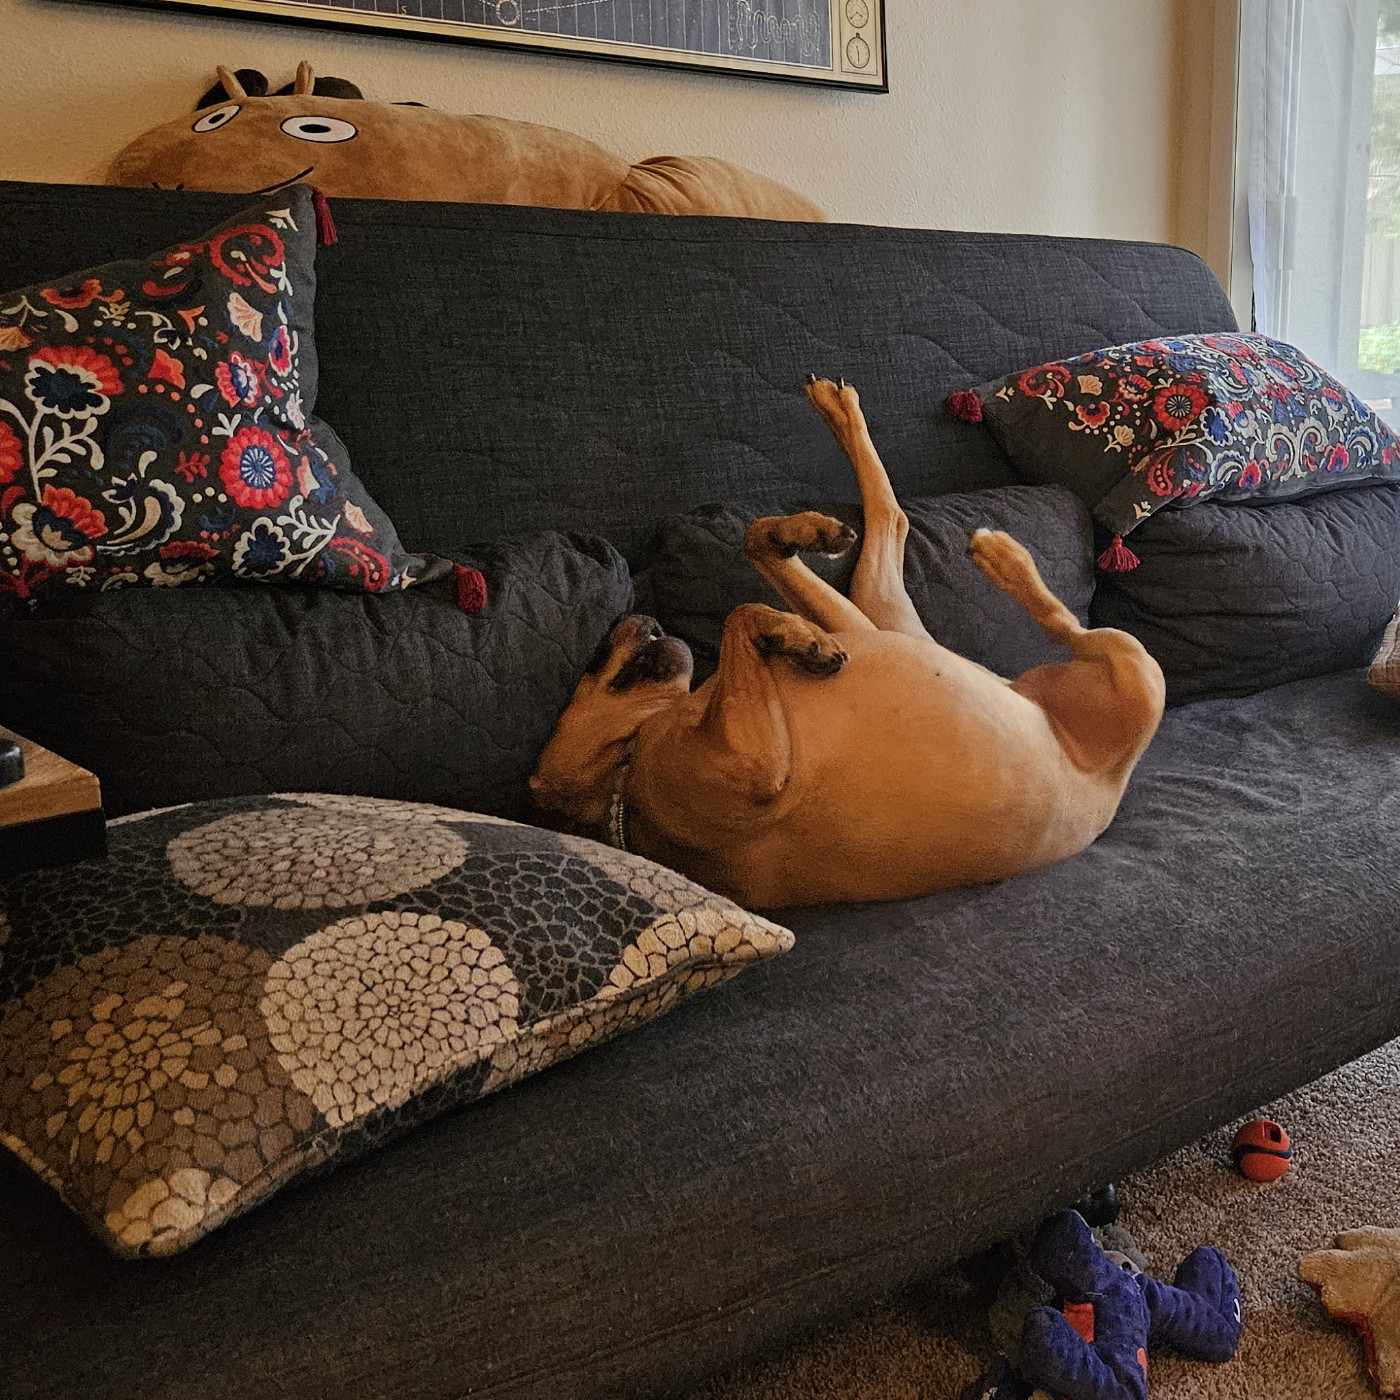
(914, 770)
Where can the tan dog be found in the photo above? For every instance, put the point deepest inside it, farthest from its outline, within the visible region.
(840, 753)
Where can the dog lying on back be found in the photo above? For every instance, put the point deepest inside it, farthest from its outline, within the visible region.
(839, 752)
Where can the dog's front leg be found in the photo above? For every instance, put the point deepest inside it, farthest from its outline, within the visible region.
(877, 587)
(743, 730)
(772, 544)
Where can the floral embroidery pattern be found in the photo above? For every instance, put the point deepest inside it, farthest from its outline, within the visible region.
(11, 454)
(1230, 416)
(238, 381)
(152, 427)
(60, 530)
(254, 469)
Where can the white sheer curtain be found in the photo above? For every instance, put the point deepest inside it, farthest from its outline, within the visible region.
(1312, 66)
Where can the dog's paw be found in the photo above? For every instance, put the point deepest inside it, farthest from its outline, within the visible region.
(818, 654)
(1008, 564)
(808, 533)
(838, 403)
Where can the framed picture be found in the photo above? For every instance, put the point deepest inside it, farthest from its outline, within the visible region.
(838, 43)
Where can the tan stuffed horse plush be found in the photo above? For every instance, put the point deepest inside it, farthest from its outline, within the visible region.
(324, 132)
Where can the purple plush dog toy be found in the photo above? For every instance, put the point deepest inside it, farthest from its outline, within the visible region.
(1095, 1347)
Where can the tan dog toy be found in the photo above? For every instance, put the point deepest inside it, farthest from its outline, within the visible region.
(322, 131)
(1359, 1284)
(840, 753)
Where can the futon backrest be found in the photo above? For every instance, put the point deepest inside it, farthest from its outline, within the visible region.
(497, 370)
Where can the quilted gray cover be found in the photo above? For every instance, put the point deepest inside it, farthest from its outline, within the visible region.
(1231, 599)
(177, 695)
(500, 370)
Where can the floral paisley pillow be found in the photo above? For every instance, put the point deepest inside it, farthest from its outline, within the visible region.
(248, 989)
(1231, 417)
(155, 424)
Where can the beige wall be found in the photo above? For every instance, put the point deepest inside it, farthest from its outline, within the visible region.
(1050, 116)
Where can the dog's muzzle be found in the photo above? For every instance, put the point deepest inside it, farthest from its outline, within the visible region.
(656, 661)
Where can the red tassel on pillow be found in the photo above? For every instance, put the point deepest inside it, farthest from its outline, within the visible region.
(325, 225)
(1117, 558)
(471, 588)
(965, 406)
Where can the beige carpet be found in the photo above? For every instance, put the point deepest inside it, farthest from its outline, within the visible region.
(1346, 1172)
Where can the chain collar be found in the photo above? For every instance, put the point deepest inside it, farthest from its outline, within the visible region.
(615, 829)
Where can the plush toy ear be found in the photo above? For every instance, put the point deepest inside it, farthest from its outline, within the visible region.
(321, 87)
(247, 82)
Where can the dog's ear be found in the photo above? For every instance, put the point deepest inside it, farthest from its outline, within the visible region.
(248, 82)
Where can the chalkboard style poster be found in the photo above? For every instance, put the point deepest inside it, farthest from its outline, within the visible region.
(840, 42)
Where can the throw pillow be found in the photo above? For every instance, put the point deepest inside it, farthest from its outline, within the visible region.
(156, 424)
(698, 574)
(175, 696)
(1384, 672)
(1234, 599)
(244, 990)
(1133, 428)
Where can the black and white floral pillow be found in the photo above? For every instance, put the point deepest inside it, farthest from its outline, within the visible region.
(249, 988)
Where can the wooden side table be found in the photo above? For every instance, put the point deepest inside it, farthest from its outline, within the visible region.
(51, 816)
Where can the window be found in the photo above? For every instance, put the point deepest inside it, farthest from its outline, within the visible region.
(1378, 351)
(1324, 188)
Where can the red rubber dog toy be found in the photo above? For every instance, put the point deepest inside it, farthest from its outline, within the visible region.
(1261, 1150)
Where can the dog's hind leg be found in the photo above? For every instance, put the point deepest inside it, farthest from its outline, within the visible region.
(772, 545)
(1009, 565)
(1107, 701)
(877, 587)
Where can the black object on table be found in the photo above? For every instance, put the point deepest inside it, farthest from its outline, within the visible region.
(11, 762)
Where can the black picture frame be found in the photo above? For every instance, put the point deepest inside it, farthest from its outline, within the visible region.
(831, 43)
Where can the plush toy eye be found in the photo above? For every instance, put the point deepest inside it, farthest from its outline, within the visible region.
(326, 129)
(220, 116)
